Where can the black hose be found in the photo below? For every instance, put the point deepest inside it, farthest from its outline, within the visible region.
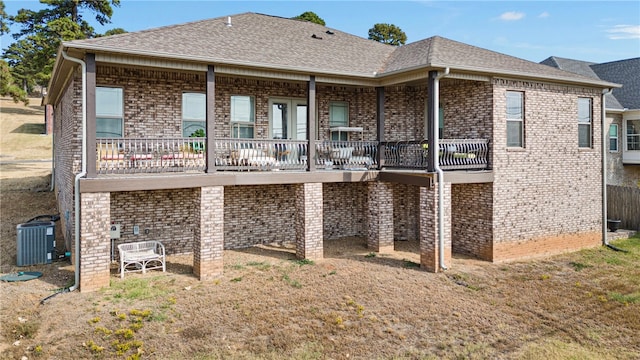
(616, 248)
(43, 301)
(55, 217)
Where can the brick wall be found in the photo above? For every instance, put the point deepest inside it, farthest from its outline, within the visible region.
(209, 232)
(152, 98)
(429, 240)
(472, 219)
(551, 187)
(467, 107)
(344, 207)
(94, 241)
(67, 156)
(258, 215)
(308, 221)
(406, 202)
(168, 215)
(380, 216)
(362, 108)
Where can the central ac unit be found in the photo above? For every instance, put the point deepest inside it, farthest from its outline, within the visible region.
(36, 243)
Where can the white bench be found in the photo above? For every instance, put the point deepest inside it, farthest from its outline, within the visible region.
(141, 256)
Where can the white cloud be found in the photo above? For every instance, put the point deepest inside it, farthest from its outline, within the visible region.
(544, 15)
(511, 16)
(620, 32)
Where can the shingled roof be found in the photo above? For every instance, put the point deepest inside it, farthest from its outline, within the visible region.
(253, 40)
(625, 72)
(271, 42)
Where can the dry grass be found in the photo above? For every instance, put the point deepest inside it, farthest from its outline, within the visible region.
(350, 305)
(22, 128)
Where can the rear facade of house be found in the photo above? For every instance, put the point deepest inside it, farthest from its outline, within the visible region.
(230, 141)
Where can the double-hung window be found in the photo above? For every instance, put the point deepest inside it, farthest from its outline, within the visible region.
(242, 116)
(613, 138)
(633, 135)
(194, 113)
(339, 116)
(515, 119)
(584, 122)
(109, 112)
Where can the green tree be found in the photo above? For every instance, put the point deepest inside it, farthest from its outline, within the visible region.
(4, 19)
(114, 31)
(388, 34)
(310, 16)
(8, 86)
(32, 56)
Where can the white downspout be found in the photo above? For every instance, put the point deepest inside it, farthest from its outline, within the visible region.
(436, 147)
(604, 133)
(53, 158)
(83, 171)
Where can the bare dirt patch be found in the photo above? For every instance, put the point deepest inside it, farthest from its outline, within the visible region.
(351, 305)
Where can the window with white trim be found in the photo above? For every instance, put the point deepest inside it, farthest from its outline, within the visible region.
(633, 135)
(584, 122)
(339, 116)
(242, 116)
(194, 113)
(515, 119)
(109, 112)
(613, 138)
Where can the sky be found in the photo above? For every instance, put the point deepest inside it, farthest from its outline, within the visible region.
(596, 31)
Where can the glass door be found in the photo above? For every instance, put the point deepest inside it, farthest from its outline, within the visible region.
(288, 119)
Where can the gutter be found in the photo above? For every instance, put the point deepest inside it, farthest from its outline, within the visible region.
(436, 147)
(83, 172)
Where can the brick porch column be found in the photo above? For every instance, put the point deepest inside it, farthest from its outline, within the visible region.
(208, 239)
(308, 222)
(428, 220)
(95, 240)
(380, 216)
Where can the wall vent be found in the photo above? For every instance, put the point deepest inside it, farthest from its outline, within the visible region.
(36, 243)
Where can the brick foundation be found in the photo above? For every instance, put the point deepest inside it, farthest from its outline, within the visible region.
(308, 221)
(429, 244)
(209, 233)
(380, 217)
(545, 246)
(95, 243)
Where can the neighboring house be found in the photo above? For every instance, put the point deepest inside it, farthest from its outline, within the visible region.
(312, 135)
(622, 108)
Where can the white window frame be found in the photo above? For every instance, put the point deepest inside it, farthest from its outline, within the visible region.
(296, 125)
(515, 118)
(202, 120)
(632, 135)
(237, 123)
(614, 137)
(110, 116)
(585, 121)
(339, 136)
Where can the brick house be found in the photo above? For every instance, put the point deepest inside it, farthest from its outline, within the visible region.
(622, 110)
(323, 133)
